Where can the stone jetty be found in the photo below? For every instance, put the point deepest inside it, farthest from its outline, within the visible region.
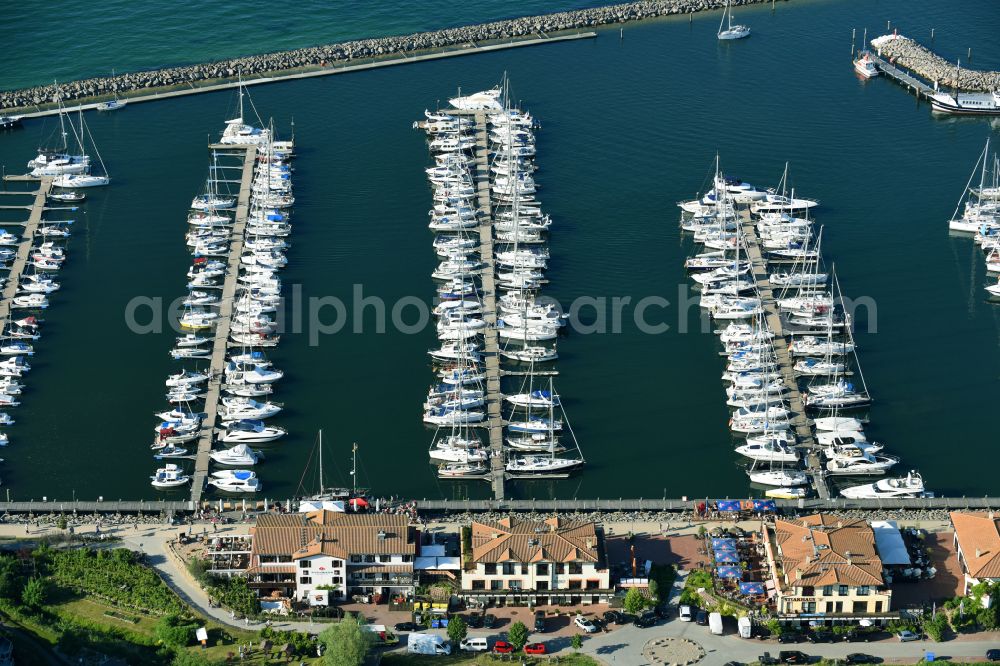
(344, 53)
(902, 51)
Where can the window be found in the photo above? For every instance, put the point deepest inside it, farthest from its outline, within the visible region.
(827, 590)
(305, 580)
(514, 584)
(575, 568)
(508, 569)
(543, 585)
(560, 568)
(355, 558)
(337, 564)
(863, 591)
(808, 591)
(860, 607)
(490, 569)
(574, 585)
(303, 564)
(369, 558)
(878, 607)
(842, 590)
(479, 585)
(809, 607)
(496, 584)
(592, 584)
(407, 558)
(542, 569)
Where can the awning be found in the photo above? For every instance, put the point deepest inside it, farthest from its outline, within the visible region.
(729, 572)
(751, 588)
(721, 544)
(889, 543)
(727, 557)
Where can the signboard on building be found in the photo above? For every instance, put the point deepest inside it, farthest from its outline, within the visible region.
(319, 598)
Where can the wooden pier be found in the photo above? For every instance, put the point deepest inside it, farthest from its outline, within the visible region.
(37, 208)
(904, 78)
(801, 425)
(226, 305)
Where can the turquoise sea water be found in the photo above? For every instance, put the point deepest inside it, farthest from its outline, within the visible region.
(629, 127)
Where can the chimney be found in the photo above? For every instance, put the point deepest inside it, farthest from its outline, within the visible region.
(590, 544)
(381, 535)
(847, 554)
(798, 573)
(978, 553)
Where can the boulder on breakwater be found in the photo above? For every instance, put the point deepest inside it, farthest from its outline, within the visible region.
(345, 52)
(905, 52)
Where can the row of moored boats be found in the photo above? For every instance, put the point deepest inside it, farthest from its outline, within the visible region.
(761, 268)
(247, 377)
(978, 213)
(489, 301)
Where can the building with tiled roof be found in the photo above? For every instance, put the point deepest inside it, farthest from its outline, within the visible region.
(826, 567)
(977, 544)
(554, 561)
(322, 556)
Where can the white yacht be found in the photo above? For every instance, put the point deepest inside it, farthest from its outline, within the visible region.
(240, 455)
(911, 485)
(865, 65)
(488, 100)
(170, 476)
(235, 481)
(779, 477)
(251, 431)
(731, 31)
(767, 450)
(542, 464)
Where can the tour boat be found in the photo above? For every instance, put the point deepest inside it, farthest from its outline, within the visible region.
(911, 485)
(966, 103)
(240, 455)
(170, 476)
(235, 481)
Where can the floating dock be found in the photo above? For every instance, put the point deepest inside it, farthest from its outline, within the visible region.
(491, 356)
(37, 208)
(801, 424)
(905, 79)
(226, 303)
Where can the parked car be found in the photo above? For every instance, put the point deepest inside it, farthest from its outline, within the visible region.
(858, 636)
(790, 637)
(503, 647)
(684, 613)
(647, 619)
(793, 657)
(489, 621)
(405, 626)
(613, 617)
(905, 636)
(862, 658)
(702, 617)
(993, 655)
(474, 644)
(819, 637)
(767, 660)
(474, 621)
(662, 611)
(540, 621)
(534, 648)
(585, 624)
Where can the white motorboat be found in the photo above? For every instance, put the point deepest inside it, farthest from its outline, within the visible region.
(170, 451)
(486, 100)
(16, 348)
(767, 450)
(240, 455)
(235, 481)
(838, 423)
(865, 65)
(458, 454)
(463, 471)
(442, 416)
(238, 409)
(541, 464)
(170, 476)
(862, 463)
(255, 375)
(251, 431)
(530, 354)
(786, 493)
(78, 180)
(911, 485)
(186, 378)
(535, 425)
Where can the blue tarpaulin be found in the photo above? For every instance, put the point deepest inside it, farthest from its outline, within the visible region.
(729, 505)
(719, 544)
(728, 557)
(751, 588)
(729, 572)
(763, 505)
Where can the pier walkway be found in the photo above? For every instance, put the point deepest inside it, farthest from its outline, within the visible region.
(918, 87)
(221, 344)
(491, 348)
(37, 208)
(801, 425)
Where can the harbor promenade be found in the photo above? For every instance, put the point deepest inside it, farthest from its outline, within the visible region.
(226, 305)
(36, 208)
(801, 424)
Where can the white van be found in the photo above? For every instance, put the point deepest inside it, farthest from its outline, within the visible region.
(474, 644)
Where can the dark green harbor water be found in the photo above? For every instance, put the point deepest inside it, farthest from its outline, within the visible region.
(629, 127)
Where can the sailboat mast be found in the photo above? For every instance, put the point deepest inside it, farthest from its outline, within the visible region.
(321, 489)
(354, 468)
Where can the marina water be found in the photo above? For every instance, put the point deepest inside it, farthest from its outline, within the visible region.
(629, 127)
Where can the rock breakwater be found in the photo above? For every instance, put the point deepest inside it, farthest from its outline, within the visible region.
(345, 52)
(902, 51)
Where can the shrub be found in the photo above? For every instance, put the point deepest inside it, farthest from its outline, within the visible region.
(457, 629)
(35, 592)
(173, 631)
(517, 635)
(634, 601)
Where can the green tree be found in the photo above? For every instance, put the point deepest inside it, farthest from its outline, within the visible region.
(576, 642)
(634, 601)
(457, 629)
(10, 578)
(773, 626)
(347, 642)
(517, 635)
(61, 523)
(173, 631)
(654, 590)
(34, 593)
